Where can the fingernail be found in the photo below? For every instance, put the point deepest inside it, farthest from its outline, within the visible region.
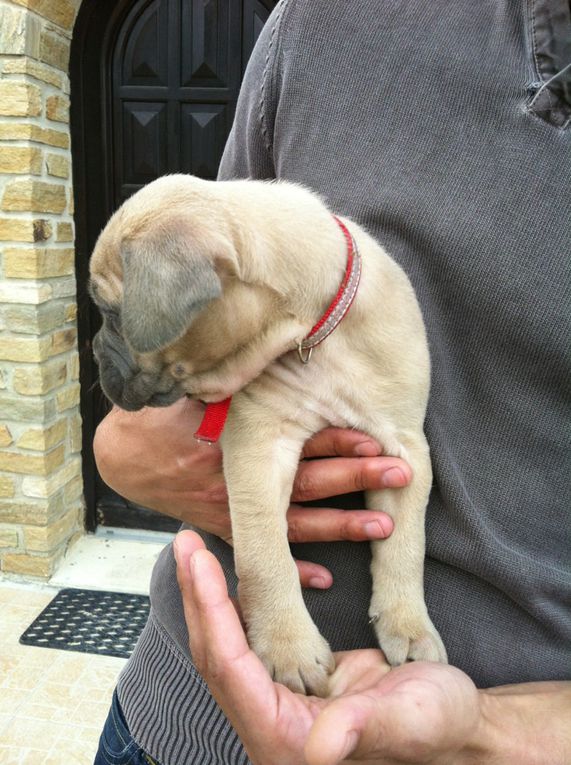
(175, 549)
(393, 478)
(318, 583)
(374, 530)
(195, 565)
(367, 449)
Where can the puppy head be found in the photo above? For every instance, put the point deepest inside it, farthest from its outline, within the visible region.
(153, 271)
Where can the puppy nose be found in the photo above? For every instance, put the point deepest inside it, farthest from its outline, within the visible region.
(147, 388)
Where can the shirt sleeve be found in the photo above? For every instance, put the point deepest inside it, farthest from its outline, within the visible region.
(248, 152)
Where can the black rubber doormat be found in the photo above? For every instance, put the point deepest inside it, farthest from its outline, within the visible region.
(90, 621)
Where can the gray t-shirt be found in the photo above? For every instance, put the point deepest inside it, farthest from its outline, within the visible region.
(427, 123)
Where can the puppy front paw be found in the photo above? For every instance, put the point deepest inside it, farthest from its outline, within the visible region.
(301, 660)
(407, 640)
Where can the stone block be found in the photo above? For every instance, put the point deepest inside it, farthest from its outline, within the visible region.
(19, 99)
(13, 29)
(31, 294)
(64, 232)
(65, 287)
(39, 512)
(36, 380)
(34, 196)
(47, 539)
(5, 436)
(23, 160)
(25, 65)
(44, 438)
(16, 230)
(62, 341)
(7, 487)
(25, 348)
(44, 487)
(57, 108)
(73, 367)
(58, 166)
(24, 229)
(19, 32)
(39, 566)
(26, 409)
(23, 131)
(33, 464)
(35, 320)
(71, 312)
(68, 398)
(42, 230)
(54, 50)
(38, 263)
(72, 491)
(74, 431)
(8, 538)
(61, 12)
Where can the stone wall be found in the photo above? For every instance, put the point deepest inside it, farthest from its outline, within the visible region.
(41, 506)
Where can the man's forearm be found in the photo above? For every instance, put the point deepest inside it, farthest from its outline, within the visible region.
(527, 724)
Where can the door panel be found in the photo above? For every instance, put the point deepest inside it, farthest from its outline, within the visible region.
(204, 128)
(255, 15)
(144, 150)
(154, 85)
(208, 45)
(180, 61)
(142, 49)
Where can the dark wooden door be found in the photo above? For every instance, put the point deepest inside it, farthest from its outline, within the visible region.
(154, 85)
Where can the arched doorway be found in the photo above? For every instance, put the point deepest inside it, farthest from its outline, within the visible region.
(154, 85)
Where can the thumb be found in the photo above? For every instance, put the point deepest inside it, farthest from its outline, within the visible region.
(343, 728)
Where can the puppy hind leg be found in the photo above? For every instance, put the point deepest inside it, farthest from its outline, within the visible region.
(398, 611)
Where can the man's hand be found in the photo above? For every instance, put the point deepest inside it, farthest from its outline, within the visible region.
(417, 713)
(151, 458)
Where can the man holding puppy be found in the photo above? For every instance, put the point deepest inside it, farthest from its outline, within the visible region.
(460, 164)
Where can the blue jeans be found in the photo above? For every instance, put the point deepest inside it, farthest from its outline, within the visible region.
(116, 745)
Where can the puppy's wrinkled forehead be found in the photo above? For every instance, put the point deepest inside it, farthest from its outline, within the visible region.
(106, 267)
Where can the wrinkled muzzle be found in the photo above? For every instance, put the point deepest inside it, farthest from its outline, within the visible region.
(123, 381)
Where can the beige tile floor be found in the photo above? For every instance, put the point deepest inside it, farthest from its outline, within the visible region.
(52, 703)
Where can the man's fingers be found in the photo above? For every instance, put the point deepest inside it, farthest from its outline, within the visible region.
(215, 631)
(225, 643)
(184, 546)
(235, 675)
(319, 479)
(340, 442)
(330, 525)
(313, 575)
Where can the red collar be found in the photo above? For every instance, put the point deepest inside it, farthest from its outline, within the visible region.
(214, 418)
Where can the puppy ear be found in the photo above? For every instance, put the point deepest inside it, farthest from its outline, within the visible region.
(165, 285)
